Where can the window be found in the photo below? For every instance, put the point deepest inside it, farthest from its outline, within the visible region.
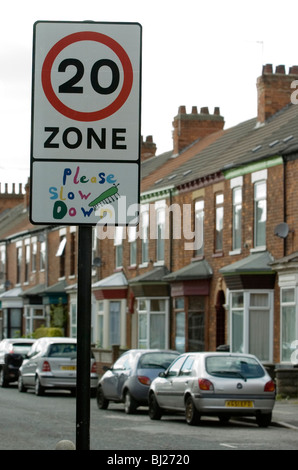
(73, 319)
(34, 255)
(115, 309)
(100, 324)
(153, 323)
(237, 215)
(27, 262)
(252, 323)
(196, 323)
(118, 247)
(199, 228)
(260, 213)
(145, 234)
(61, 254)
(219, 212)
(2, 263)
(132, 238)
(19, 263)
(179, 313)
(160, 228)
(288, 322)
(42, 256)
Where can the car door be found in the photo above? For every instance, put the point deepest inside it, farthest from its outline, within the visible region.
(181, 382)
(164, 386)
(115, 378)
(29, 365)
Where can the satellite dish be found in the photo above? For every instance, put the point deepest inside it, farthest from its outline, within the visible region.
(281, 230)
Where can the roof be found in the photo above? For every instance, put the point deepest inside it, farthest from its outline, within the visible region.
(239, 145)
(115, 280)
(195, 270)
(257, 263)
(157, 274)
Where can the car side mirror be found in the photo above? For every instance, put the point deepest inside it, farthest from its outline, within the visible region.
(162, 374)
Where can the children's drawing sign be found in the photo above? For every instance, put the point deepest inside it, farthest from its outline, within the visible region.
(85, 135)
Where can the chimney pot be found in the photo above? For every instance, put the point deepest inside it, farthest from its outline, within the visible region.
(216, 111)
(280, 69)
(293, 70)
(194, 110)
(267, 68)
(205, 110)
(182, 110)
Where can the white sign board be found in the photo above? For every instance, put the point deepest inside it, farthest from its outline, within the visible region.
(85, 142)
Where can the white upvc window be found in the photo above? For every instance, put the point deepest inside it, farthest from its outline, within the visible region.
(251, 323)
(153, 320)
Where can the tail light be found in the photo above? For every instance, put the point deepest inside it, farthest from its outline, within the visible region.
(144, 380)
(46, 367)
(94, 368)
(205, 384)
(269, 386)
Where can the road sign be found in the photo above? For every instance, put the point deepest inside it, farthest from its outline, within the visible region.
(85, 140)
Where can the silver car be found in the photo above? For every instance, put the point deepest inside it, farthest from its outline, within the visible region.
(51, 364)
(218, 384)
(129, 379)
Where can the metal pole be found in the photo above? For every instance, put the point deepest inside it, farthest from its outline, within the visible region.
(83, 338)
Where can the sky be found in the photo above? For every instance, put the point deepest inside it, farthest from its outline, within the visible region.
(194, 53)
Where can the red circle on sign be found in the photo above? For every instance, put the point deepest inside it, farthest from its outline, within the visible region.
(79, 115)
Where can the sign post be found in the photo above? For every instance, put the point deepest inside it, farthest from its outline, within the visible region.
(85, 149)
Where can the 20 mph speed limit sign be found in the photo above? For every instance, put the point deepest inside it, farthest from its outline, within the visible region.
(86, 92)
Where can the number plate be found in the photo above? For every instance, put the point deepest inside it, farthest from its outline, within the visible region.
(239, 403)
(68, 367)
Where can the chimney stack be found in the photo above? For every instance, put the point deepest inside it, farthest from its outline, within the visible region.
(190, 127)
(274, 90)
(148, 148)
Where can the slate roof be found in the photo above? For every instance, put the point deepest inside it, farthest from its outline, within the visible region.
(245, 143)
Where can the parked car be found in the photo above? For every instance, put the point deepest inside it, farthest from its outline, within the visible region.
(220, 384)
(51, 364)
(128, 380)
(12, 353)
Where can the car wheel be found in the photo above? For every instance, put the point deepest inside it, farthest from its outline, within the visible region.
(102, 402)
(155, 412)
(3, 379)
(191, 413)
(130, 404)
(21, 386)
(39, 389)
(264, 420)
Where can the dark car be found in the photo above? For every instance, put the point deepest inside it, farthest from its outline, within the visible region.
(12, 353)
(128, 380)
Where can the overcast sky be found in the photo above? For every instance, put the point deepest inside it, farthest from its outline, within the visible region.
(195, 53)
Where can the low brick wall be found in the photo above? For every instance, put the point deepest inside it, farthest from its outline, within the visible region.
(287, 382)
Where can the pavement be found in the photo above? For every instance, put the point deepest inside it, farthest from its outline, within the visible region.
(285, 413)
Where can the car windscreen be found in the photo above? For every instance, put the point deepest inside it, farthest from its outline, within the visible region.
(233, 366)
(62, 350)
(156, 360)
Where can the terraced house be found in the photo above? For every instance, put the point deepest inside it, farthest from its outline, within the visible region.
(214, 259)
